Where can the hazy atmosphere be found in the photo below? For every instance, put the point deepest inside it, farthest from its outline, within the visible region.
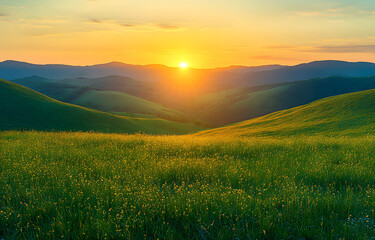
(211, 33)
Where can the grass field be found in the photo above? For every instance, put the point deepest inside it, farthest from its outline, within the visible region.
(98, 186)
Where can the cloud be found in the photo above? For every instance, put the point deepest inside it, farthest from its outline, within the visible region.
(280, 47)
(338, 12)
(370, 48)
(112, 22)
(127, 25)
(3, 15)
(274, 58)
(310, 13)
(168, 26)
(40, 23)
(334, 12)
(145, 26)
(94, 20)
(341, 46)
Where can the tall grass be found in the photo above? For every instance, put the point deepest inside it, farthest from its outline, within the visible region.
(107, 186)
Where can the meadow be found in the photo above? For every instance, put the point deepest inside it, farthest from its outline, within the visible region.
(112, 186)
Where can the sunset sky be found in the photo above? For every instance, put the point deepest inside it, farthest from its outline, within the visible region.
(203, 33)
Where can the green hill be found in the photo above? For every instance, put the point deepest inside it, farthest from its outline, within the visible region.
(48, 87)
(110, 83)
(348, 114)
(25, 109)
(110, 101)
(109, 94)
(239, 104)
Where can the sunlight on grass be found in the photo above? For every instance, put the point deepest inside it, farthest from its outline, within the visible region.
(90, 186)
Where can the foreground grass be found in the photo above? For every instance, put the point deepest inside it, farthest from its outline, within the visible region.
(89, 186)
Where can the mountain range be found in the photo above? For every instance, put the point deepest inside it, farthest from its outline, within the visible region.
(233, 76)
(204, 97)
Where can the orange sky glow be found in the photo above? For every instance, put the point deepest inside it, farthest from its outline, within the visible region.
(204, 34)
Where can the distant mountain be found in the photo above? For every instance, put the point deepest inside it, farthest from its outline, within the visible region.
(239, 104)
(25, 109)
(319, 69)
(350, 114)
(11, 70)
(213, 79)
(246, 69)
(14, 70)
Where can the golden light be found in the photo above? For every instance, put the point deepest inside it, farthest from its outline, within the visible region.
(183, 65)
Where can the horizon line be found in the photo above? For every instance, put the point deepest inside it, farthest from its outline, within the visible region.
(163, 65)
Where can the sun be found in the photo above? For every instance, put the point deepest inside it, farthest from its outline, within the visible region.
(183, 65)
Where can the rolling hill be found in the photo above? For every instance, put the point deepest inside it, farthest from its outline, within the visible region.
(217, 96)
(111, 83)
(111, 101)
(25, 109)
(239, 104)
(347, 114)
(48, 87)
(109, 94)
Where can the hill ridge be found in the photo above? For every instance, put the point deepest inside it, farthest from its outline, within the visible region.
(346, 114)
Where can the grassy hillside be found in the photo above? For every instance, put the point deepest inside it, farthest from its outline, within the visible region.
(110, 83)
(110, 101)
(133, 115)
(48, 87)
(347, 114)
(108, 94)
(23, 108)
(101, 186)
(241, 104)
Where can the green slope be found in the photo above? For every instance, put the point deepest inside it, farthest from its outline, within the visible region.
(48, 87)
(347, 114)
(110, 83)
(108, 94)
(110, 101)
(25, 109)
(241, 104)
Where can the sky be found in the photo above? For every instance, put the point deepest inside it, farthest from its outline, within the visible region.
(203, 33)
